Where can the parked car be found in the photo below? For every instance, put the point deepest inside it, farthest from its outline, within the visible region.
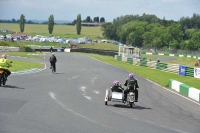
(96, 41)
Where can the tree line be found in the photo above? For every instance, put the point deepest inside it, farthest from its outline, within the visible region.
(151, 32)
(88, 19)
(51, 23)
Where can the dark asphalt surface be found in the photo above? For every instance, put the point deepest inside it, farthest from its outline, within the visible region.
(72, 101)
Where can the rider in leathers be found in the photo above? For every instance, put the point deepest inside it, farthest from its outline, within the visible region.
(131, 84)
(116, 87)
(53, 61)
(5, 64)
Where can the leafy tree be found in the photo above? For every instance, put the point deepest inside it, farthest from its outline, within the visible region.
(176, 33)
(102, 19)
(109, 31)
(135, 37)
(88, 19)
(74, 22)
(132, 32)
(149, 18)
(119, 21)
(78, 24)
(13, 20)
(189, 33)
(194, 42)
(156, 43)
(22, 22)
(96, 19)
(148, 39)
(51, 24)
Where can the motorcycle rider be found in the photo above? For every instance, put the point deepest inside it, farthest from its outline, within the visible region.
(116, 87)
(131, 84)
(5, 63)
(53, 61)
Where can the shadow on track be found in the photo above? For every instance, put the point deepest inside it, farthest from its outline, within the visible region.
(12, 87)
(127, 106)
(58, 73)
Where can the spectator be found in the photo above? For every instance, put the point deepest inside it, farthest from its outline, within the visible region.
(5, 38)
(158, 60)
(12, 39)
(51, 49)
(53, 61)
(196, 63)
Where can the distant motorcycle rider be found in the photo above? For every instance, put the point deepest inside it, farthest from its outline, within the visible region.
(53, 61)
(5, 63)
(131, 84)
(116, 87)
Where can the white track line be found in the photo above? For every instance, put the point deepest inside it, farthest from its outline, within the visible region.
(53, 96)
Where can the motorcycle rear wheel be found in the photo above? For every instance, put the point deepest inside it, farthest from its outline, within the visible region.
(4, 79)
(131, 104)
(0, 79)
(53, 70)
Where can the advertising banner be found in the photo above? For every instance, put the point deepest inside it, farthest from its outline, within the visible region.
(197, 72)
(182, 70)
(67, 50)
(59, 50)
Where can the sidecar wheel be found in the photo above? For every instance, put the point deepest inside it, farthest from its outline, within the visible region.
(131, 105)
(106, 103)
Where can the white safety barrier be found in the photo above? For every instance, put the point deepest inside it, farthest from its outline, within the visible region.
(8, 49)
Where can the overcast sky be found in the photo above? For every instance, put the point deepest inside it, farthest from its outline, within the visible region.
(109, 9)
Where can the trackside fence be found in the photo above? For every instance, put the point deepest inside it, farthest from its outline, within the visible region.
(173, 68)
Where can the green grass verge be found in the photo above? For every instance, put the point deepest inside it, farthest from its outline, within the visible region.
(179, 60)
(25, 54)
(24, 65)
(184, 61)
(154, 75)
(102, 46)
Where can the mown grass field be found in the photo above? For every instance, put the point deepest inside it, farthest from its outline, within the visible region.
(59, 30)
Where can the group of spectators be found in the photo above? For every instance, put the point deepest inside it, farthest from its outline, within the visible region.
(12, 39)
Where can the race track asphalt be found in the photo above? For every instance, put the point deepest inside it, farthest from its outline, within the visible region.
(72, 101)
